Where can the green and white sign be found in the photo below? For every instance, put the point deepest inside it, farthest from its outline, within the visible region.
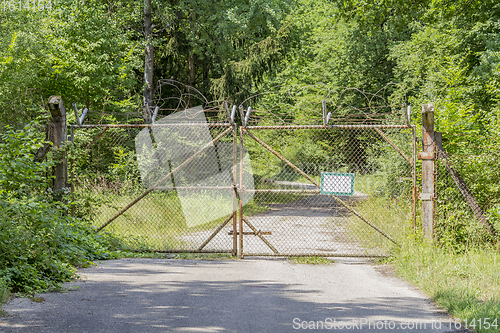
(337, 183)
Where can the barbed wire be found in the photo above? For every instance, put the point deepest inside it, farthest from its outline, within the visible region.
(297, 104)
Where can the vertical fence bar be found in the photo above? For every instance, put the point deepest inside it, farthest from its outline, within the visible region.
(428, 166)
(240, 250)
(235, 181)
(414, 177)
(242, 117)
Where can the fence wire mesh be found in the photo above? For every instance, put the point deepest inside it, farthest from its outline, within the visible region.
(177, 213)
(467, 191)
(297, 219)
(290, 212)
(250, 181)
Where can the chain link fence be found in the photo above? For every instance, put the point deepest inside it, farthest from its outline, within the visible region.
(293, 214)
(467, 191)
(279, 200)
(162, 212)
(278, 179)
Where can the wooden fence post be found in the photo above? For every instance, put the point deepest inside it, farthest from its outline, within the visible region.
(427, 156)
(59, 136)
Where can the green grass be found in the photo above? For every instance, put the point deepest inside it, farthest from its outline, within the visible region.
(466, 285)
(311, 260)
(391, 215)
(368, 184)
(154, 222)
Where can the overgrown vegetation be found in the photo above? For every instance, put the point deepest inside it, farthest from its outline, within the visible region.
(40, 244)
(466, 284)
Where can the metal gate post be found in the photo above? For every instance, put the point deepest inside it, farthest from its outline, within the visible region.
(235, 182)
(427, 157)
(240, 250)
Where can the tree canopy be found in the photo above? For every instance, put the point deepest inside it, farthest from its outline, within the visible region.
(92, 52)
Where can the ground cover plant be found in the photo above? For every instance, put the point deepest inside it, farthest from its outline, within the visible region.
(40, 243)
(466, 285)
(308, 260)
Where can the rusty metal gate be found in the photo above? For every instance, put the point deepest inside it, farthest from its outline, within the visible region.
(248, 189)
(290, 214)
(177, 207)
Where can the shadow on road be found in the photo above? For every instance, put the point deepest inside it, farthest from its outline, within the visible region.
(195, 296)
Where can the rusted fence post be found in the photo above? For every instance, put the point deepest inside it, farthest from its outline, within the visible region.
(58, 137)
(427, 156)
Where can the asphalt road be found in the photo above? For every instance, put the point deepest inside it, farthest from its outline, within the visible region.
(250, 295)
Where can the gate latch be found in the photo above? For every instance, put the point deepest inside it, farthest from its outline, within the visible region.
(425, 155)
(427, 196)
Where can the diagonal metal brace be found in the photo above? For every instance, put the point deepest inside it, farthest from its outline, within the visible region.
(393, 145)
(216, 232)
(256, 232)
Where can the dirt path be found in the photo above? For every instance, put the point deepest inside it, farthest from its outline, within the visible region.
(251, 295)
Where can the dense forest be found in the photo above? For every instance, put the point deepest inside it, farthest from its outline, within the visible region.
(92, 53)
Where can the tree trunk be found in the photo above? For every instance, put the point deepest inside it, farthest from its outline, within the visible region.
(59, 136)
(148, 63)
(192, 78)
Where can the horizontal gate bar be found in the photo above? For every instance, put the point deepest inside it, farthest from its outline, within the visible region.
(329, 255)
(248, 233)
(193, 188)
(153, 125)
(215, 188)
(281, 191)
(324, 127)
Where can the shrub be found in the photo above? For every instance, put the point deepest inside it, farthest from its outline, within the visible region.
(39, 243)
